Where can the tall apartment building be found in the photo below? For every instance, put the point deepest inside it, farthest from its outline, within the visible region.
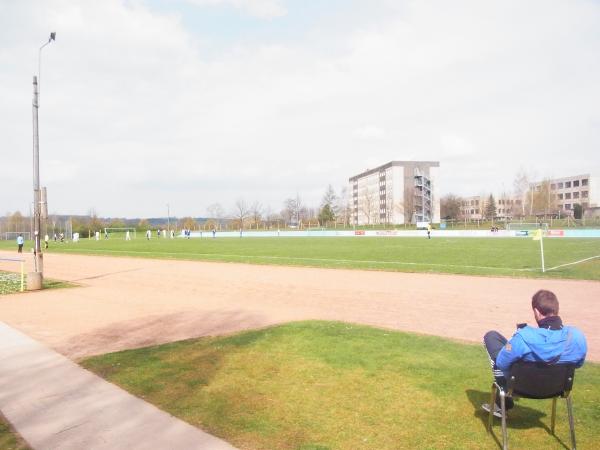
(568, 191)
(396, 193)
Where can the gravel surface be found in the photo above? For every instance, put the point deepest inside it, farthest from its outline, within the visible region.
(129, 302)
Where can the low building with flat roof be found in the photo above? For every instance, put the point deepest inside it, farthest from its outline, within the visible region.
(566, 192)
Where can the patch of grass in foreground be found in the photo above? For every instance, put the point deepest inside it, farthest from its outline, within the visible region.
(10, 283)
(9, 439)
(330, 385)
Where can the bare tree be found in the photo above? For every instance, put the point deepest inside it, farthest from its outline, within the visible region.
(543, 200)
(389, 207)
(274, 219)
(241, 212)
(293, 210)
(368, 203)
(343, 206)
(187, 223)
(95, 224)
(256, 211)
(16, 222)
(450, 206)
(408, 204)
(267, 214)
(521, 189)
(216, 211)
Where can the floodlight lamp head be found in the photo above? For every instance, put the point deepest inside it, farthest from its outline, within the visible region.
(52, 36)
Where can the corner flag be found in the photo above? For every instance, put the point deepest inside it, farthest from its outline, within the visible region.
(538, 236)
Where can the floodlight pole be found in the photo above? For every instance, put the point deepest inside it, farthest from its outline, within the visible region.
(37, 248)
(37, 276)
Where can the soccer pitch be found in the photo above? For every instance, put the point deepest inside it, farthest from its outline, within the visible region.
(518, 257)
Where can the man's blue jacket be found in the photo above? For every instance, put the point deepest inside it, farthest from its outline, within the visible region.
(564, 346)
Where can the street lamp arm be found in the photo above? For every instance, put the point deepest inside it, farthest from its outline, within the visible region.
(50, 39)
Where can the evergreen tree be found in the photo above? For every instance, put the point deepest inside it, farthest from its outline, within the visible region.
(329, 198)
(326, 214)
(490, 208)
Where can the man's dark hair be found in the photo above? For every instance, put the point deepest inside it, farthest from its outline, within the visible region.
(545, 302)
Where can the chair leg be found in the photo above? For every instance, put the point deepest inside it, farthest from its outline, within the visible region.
(553, 420)
(504, 431)
(571, 422)
(492, 403)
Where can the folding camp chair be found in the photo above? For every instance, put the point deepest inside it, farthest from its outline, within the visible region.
(535, 380)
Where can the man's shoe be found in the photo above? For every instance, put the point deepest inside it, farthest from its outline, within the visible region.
(497, 411)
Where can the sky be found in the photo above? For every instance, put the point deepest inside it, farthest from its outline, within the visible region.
(145, 103)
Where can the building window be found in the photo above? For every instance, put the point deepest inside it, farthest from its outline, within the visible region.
(560, 185)
(567, 206)
(553, 186)
(576, 183)
(568, 195)
(567, 184)
(584, 205)
(584, 194)
(575, 194)
(560, 196)
(584, 182)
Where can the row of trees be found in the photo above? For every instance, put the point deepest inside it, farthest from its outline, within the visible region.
(333, 210)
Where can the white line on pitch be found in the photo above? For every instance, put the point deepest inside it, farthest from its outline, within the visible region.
(573, 263)
(314, 259)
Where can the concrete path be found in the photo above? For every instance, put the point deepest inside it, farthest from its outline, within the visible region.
(55, 404)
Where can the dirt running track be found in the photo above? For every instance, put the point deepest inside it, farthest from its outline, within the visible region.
(129, 302)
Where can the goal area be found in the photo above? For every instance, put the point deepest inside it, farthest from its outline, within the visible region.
(120, 233)
(527, 226)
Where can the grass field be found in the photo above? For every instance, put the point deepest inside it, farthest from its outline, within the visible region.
(330, 385)
(10, 283)
(9, 439)
(518, 257)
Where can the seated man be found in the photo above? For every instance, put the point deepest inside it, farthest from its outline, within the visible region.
(552, 343)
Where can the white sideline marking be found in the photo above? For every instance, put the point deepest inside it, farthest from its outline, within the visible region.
(573, 263)
(311, 259)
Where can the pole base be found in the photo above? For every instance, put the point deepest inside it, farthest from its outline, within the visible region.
(34, 281)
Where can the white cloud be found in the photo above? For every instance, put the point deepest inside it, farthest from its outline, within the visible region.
(134, 115)
(264, 9)
(369, 132)
(454, 146)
